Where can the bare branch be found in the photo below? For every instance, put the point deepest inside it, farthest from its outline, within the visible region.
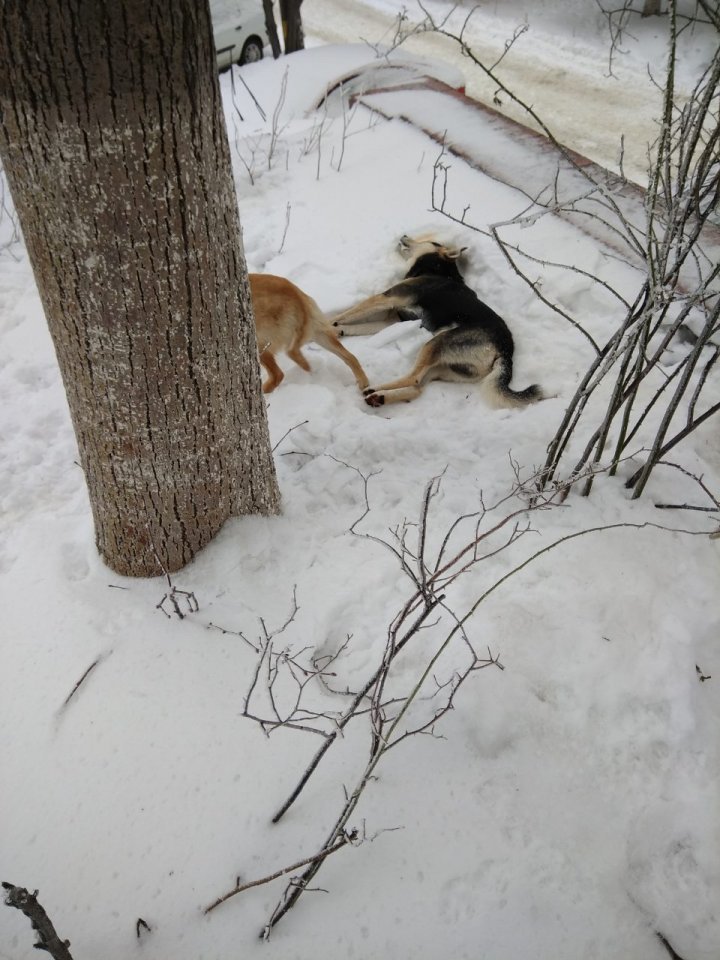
(27, 903)
(241, 887)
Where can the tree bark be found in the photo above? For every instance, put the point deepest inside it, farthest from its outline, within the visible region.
(113, 142)
(292, 25)
(271, 28)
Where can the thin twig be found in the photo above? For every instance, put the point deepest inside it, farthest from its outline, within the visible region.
(240, 888)
(82, 679)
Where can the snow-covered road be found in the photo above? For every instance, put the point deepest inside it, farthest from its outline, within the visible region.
(561, 75)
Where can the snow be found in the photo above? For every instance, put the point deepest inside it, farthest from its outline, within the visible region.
(559, 63)
(570, 807)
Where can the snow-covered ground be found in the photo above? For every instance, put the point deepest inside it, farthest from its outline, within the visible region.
(567, 807)
(559, 64)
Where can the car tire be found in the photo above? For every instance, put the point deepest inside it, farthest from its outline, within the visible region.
(252, 51)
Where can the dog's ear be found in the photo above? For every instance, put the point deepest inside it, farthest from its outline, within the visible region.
(455, 253)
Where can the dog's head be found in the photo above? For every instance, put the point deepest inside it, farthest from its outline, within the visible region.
(413, 247)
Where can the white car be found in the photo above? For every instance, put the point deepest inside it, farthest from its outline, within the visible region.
(238, 31)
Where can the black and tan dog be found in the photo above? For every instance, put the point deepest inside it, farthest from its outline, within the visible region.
(471, 341)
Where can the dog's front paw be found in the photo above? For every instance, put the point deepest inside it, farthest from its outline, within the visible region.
(374, 399)
(367, 391)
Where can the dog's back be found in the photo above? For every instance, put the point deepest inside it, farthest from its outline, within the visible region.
(284, 314)
(470, 342)
(445, 300)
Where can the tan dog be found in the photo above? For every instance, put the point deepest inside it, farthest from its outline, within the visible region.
(285, 319)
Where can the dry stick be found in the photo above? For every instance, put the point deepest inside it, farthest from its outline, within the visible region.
(295, 890)
(686, 506)
(533, 286)
(619, 396)
(715, 408)
(639, 480)
(699, 480)
(276, 129)
(297, 886)
(437, 579)
(657, 450)
(345, 839)
(626, 435)
(557, 445)
(421, 582)
(701, 383)
(658, 251)
(641, 372)
(74, 690)
(544, 262)
(350, 712)
(284, 236)
(396, 648)
(27, 903)
(659, 392)
(252, 95)
(288, 432)
(555, 450)
(643, 366)
(668, 946)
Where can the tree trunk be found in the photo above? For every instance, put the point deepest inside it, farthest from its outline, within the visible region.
(114, 146)
(292, 25)
(271, 28)
(651, 8)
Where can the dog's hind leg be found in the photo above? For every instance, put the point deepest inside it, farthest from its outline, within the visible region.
(397, 395)
(330, 341)
(370, 315)
(296, 354)
(409, 387)
(275, 374)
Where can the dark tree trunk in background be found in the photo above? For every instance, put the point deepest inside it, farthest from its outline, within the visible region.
(292, 25)
(271, 28)
(651, 8)
(113, 142)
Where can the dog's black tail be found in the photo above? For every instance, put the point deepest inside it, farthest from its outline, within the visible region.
(501, 393)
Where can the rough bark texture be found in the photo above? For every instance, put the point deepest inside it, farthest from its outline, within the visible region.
(113, 141)
(271, 28)
(48, 940)
(292, 25)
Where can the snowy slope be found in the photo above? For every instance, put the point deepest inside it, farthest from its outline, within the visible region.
(571, 808)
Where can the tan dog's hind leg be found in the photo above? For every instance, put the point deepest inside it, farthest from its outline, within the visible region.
(275, 374)
(329, 340)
